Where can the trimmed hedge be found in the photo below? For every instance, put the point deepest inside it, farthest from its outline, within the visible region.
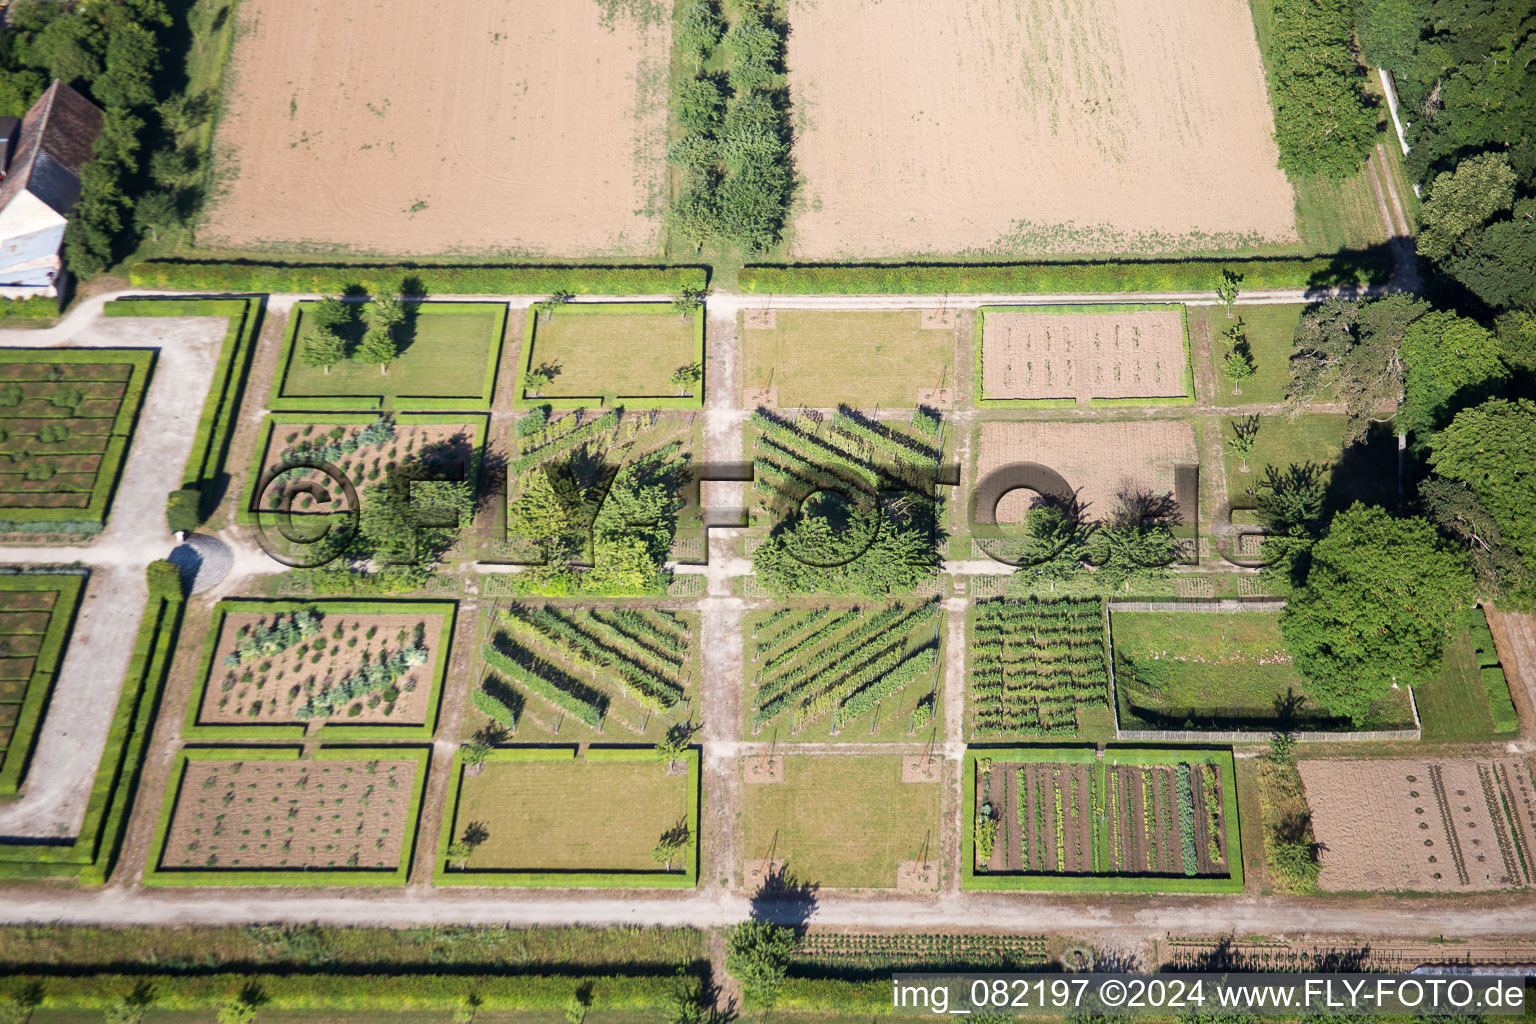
(443, 874)
(91, 855)
(1500, 705)
(193, 727)
(17, 752)
(249, 511)
(435, 279)
(530, 333)
(1221, 757)
(216, 425)
(157, 875)
(1202, 275)
(474, 398)
(343, 992)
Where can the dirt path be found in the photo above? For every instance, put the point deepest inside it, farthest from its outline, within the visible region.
(1405, 264)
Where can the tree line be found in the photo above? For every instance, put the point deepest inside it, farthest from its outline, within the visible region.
(733, 153)
(145, 176)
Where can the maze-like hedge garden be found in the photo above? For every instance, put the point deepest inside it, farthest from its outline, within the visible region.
(36, 613)
(1035, 665)
(66, 417)
(826, 669)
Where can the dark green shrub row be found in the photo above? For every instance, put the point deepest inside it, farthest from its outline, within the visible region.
(430, 279)
(35, 308)
(1343, 270)
(91, 855)
(350, 992)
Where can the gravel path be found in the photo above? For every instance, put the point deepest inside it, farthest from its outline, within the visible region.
(63, 766)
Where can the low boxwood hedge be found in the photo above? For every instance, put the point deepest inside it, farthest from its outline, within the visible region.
(45, 669)
(90, 855)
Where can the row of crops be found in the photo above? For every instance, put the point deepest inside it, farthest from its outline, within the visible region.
(1034, 662)
(849, 453)
(833, 954)
(572, 658)
(842, 662)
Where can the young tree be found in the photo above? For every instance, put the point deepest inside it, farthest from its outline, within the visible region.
(331, 313)
(475, 751)
(1380, 596)
(378, 348)
(757, 955)
(687, 376)
(1245, 432)
(323, 347)
(688, 301)
(1226, 291)
(698, 31)
(671, 845)
(385, 311)
(671, 746)
(1238, 365)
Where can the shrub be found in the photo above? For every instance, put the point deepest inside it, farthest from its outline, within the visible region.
(181, 509)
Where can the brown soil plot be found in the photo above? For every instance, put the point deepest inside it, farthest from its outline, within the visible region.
(1099, 460)
(368, 463)
(271, 690)
(290, 814)
(504, 126)
(1444, 826)
(1083, 355)
(991, 126)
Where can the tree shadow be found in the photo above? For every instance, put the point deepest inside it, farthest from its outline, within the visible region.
(783, 899)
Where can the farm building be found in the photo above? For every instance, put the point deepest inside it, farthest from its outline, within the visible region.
(41, 185)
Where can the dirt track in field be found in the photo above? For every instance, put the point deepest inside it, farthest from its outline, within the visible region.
(470, 126)
(1083, 355)
(997, 126)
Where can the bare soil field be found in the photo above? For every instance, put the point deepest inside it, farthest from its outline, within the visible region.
(1445, 826)
(267, 690)
(1098, 460)
(479, 127)
(976, 126)
(1083, 355)
(290, 814)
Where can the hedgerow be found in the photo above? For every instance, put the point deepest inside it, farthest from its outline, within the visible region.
(439, 992)
(418, 278)
(1197, 275)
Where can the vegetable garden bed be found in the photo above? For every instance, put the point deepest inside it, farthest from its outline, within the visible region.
(1134, 820)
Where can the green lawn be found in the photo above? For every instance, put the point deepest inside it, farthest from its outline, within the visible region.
(842, 821)
(1270, 330)
(1172, 666)
(1452, 704)
(613, 349)
(818, 359)
(445, 353)
(571, 815)
(1365, 471)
